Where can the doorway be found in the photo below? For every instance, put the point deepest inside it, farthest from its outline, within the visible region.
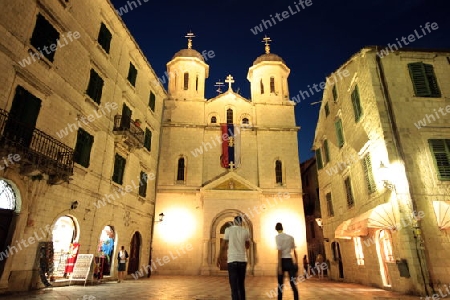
(8, 206)
(106, 245)
(385, 255)
(335, 247)
(223, 259)
(65, 247)
(135, 248)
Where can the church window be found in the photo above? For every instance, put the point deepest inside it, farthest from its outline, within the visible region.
(245, 121)
(104, 37)
(143, 184)
(272, 84)
(132, 74)
(119, 168)
(186, 81)
(82, 152)
(181, 168)
(229, 116)
(213, 120)
(95, 87)
(44, 35)
(196, 83)
(278, 172)
(261, 84)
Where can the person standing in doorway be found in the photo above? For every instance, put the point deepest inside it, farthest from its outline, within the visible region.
(237, 239)
(122, 258)
(319, 261)
(285, 245)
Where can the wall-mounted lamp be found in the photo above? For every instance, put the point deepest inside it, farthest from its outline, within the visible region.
(319, 222)
(74, 205)
(384, 174)
(161, 218)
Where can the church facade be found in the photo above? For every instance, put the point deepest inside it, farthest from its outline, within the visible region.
(224, 157)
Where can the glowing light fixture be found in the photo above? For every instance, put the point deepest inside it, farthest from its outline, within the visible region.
(319, 222)
(161, 218)
(384, 174)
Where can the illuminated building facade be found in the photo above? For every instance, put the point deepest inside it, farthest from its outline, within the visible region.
(382, 146)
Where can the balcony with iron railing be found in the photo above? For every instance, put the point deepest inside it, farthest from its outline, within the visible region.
(39, 152)
(130, 130)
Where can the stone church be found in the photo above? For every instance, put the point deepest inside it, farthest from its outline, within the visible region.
(223, 157)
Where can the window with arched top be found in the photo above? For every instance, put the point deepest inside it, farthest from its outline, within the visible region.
(213, 120)
(245, 121)
(181, 169)
(7, 196)
(278, 172)
(196, 83)
(261, 85)
(186, 81)
(272, 84)
(229, 116)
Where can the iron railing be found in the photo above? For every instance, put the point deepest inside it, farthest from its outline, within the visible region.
(125, 126)
(35, 147)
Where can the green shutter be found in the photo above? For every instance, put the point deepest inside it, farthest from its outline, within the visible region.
(152, 101)
(143, 184)
(319, 159)
(104, 37)
(327, 109)
(441, 156)
(148, 139)
(119, 167)
(335, 95)
(432, 81)
(356, 104)
(82, 152)
(95, 87)
(329, 205)
(326, 150)
(419, 80)
(339, 133)
(132, 74)
(368, 174)
(348, 189)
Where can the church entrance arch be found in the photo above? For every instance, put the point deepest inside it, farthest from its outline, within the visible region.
(223, 220)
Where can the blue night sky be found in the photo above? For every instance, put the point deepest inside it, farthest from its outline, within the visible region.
(313, 40)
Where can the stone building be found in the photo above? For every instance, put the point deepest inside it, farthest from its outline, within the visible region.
(228, 156)
(311, 206)
(80, 117)
(383, 154)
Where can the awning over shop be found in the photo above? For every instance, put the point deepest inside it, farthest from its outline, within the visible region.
(442, 211)
(381, 217)
(341, 230)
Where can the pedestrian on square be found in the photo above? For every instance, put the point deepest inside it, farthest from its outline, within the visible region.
(319, 261)
(285, 245)
(306, 264)
(122, 257)
(237, 239)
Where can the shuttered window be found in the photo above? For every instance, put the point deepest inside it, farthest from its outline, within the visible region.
(95, 87)
(339, 133)
(319, 159)
(356, 102)
(335, 95)
(330, 208)
(327, 109)
(368, 174)
(119, 168)
(104, 37)
(152, 101)
(44, 35)
(148, 139)
(132, 74)
(423, 79)
(349, 192)
(82, 152)
(441, 155)
(143, 184)
(326, 152)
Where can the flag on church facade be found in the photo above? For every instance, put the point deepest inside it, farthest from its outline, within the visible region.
(231, 146)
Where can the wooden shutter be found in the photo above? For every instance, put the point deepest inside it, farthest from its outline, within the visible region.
(368, 174)
(319, 159)
(356, 104)
(441, 155)
(339, 132)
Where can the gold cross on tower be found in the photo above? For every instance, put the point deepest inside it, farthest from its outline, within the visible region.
(229, 80)
(266, 40)
(231, 165)
(189, 36)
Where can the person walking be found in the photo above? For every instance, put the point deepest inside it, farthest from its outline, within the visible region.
(237, 239)
(285, 245)
(122, 257)
(319, 261)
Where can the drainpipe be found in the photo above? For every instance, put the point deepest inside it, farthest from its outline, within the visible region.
(398, 146)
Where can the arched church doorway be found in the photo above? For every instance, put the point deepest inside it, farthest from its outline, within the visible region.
(105, 251)
(65, 246)
(8, 208)
(135, 249)
(385, 255)
(223, 258)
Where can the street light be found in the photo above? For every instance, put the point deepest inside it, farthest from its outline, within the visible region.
(161, 217)
(384, 174)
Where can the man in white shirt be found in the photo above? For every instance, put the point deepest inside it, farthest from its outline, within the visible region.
(237, 239)
(285, 244)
